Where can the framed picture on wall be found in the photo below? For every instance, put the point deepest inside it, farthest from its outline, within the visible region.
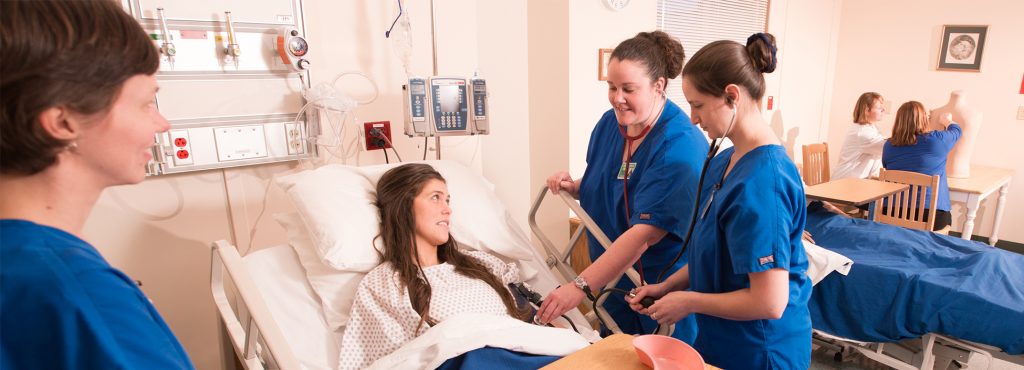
(961, 48)
(603, 56)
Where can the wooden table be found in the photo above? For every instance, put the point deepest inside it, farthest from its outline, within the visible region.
(612, 353)
(853, 191)
(973, 190)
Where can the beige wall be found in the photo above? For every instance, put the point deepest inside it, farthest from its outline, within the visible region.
(871, 59)
(593, 26)
(806, 32)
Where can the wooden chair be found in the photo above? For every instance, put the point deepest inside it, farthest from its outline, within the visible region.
(815, 166)
(907, 208)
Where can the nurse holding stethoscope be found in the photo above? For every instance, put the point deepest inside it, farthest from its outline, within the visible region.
(746, 279)
(639, 185)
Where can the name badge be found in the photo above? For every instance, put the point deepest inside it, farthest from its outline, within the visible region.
(622, 170)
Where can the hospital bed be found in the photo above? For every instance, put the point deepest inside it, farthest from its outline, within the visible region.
(280, 304)
(915, 299)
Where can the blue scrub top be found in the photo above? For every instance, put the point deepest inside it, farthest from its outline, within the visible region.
(64, 307)
(662, 189)
(755, 223)
(928, 156)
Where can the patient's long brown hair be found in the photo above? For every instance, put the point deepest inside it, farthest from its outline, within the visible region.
(396, 191)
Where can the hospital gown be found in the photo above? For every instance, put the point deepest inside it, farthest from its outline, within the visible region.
(383, 318)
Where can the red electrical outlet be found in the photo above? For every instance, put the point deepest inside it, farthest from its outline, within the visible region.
(182, 154)
(374, 142)
(180, 142)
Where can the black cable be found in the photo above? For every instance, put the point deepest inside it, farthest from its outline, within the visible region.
(425, 138)
(593, 304)
(388, 141)
(713, 150)
(387, 33)
(571, 324)
(386, 155)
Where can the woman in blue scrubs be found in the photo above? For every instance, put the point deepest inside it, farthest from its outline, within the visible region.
(78, 81)
(746, 277)
(644, 211)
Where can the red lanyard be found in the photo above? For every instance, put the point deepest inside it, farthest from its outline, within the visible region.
(627, 142)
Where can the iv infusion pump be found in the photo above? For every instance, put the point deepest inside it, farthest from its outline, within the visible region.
(446, 106)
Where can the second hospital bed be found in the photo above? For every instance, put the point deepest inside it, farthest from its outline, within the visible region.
(958, 296)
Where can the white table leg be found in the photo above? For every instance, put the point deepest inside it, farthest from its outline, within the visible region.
(973, 201)
(999, 213)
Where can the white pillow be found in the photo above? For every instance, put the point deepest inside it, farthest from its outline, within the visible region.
(336, 289)
(336, 204)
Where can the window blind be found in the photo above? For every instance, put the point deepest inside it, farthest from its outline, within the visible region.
(699, 22)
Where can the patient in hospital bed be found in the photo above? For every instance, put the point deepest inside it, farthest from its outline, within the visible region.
(424, 278)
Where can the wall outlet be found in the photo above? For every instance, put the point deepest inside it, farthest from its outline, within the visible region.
(1020, 113)
(295, 135)
(182, 150)
(373, 142)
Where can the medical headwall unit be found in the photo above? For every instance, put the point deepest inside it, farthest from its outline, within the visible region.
(231, 79)
(446, 106)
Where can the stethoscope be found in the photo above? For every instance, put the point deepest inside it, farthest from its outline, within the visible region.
(712, 152)
(627, 142)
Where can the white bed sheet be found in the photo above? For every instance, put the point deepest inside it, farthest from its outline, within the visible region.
(297, 312)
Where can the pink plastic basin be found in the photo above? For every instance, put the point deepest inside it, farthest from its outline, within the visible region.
(666, 353)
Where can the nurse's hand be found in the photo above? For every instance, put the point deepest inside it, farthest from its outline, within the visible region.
(562, 180)
(671, 308)
(558, 302)
(655, 291)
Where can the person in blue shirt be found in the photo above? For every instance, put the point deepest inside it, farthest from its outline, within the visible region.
(78, 116)
(916, 149)
(747, 273)
(642, 212)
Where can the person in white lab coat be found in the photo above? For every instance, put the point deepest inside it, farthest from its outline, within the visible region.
(861, 156)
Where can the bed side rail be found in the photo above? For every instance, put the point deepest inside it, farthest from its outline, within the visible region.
(259, 323)
(559, 260)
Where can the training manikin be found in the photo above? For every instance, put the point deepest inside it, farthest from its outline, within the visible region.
(959, 162)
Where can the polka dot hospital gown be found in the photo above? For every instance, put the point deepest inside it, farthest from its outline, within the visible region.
(383, 319)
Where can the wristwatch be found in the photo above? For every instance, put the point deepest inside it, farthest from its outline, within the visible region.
(582, 284)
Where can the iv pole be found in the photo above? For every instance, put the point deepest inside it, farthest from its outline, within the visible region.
(433, 52)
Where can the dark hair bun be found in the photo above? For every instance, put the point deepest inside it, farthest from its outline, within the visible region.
(673, 52)
(761, 50)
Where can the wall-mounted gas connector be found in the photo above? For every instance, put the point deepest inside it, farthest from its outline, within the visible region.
(378, 135)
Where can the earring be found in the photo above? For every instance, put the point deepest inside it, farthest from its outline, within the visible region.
(72, 146)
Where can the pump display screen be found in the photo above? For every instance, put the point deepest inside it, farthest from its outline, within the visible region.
(448, 97)
(418, 89)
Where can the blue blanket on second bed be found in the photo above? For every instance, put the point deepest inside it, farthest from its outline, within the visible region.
(906, 283)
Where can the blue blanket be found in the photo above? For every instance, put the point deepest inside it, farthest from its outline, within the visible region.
(497, 359)
(906, 283)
